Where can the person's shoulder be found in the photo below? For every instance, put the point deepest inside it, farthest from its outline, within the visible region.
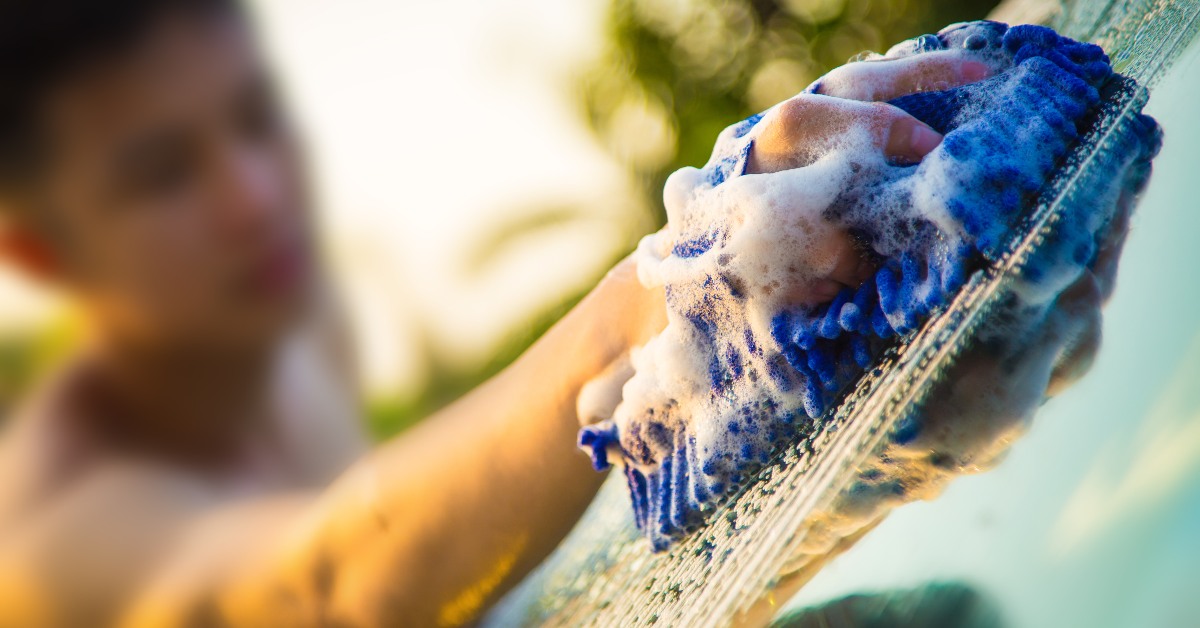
(39, 452)
(83, 549)
(82, 530)
(50, 460)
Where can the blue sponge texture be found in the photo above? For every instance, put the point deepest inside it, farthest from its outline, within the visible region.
(1004, 139)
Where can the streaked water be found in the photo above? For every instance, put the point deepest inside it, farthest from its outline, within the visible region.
(986, 530)
(1092, 520)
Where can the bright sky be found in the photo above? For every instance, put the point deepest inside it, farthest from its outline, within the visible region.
(429, 123)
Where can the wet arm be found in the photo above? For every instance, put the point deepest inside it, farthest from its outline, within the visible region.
(434, 526)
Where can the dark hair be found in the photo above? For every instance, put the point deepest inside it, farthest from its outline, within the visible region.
(44, 41)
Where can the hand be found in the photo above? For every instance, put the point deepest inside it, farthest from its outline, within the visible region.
(634, 313)
(800, 130)
(792, 135)
(985, 401)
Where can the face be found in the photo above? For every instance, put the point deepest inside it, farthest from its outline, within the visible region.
(172, 189)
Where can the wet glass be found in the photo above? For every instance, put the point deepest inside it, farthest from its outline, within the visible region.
(1089, 519)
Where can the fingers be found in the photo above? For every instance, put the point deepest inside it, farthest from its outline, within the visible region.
(599, 398)
(1077, 357)
(885, 79)
(1104, 267)
(849, 267)
(1076, 361)
(643, 310)
(1081, 305)
(909, 140)
(837, 263)
(799, 131)
(796, 133)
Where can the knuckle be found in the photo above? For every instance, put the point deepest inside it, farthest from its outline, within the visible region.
(792, 117)
(838, 75)
(882, 114)
(882, 109)
(793, 109)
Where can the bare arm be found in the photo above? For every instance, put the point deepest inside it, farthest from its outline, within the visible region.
(434, 526)
(431, 528)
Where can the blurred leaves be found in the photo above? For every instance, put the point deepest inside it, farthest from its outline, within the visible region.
(27, 354)
(447, 382)
(673, 74)
(520, 226)
(676, 72)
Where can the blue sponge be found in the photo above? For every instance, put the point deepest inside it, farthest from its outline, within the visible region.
(1004, 139)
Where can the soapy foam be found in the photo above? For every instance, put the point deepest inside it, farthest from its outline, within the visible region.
(744, 365)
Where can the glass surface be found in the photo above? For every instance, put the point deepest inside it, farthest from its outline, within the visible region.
(1092, 519)
(1075, 528)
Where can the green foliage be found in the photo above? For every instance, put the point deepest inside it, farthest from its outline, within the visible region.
(509, 234)
(672, 75)
(29, 354)
(390, 415)
(676, 72)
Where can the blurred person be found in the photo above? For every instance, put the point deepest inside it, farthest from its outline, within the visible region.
(201, 459)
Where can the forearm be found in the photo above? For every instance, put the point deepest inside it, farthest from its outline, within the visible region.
(432, 527)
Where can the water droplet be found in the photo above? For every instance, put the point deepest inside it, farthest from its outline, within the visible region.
(975, 42)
